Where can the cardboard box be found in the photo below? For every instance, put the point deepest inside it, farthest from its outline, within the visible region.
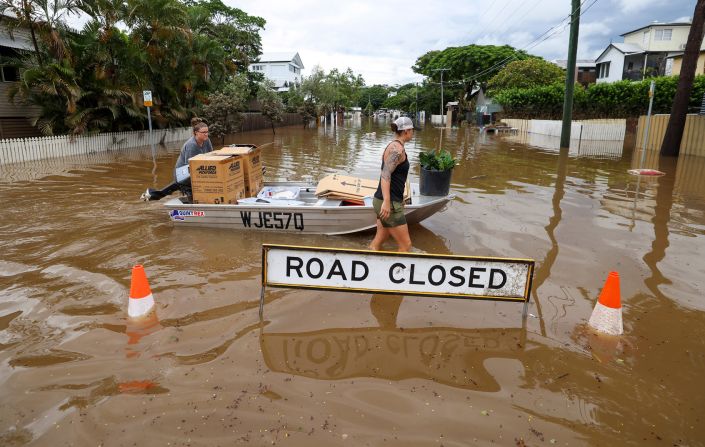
(216, 179)
(351, 189)
(252, 162)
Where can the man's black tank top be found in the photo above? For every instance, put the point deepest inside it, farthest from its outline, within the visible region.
(397, 182)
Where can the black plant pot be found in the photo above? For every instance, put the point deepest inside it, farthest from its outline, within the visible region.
(434, 183)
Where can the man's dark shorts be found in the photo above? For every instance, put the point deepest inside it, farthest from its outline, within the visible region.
(396, 217)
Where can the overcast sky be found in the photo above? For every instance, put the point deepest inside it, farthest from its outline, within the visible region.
(382, 39)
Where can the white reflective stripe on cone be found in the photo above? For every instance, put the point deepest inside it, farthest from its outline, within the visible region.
(607, 319)
(139, 307)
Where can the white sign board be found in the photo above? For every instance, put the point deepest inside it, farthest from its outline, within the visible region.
(397, 273)
(147, 97)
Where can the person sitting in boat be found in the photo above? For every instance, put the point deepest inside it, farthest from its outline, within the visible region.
(199, 143)
(388, 200)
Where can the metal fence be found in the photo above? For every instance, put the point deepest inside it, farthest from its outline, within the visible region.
(693, 141)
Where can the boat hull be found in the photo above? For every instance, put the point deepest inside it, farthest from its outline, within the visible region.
(311, 219)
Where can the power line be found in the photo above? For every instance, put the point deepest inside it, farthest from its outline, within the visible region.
(531, 44)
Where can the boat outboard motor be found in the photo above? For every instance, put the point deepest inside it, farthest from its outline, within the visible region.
(183, 178)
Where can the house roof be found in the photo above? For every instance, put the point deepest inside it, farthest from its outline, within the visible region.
(282, 57)
(18, 42)
(563, 63)
(625, 48)
(628, 48)
(18, 39)
(657, 24)
(680, 54)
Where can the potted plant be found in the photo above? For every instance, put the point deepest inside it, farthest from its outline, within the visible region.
(436, 169)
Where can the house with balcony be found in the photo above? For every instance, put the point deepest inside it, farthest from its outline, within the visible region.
(15, 119)
(644, 52)
(284, 69)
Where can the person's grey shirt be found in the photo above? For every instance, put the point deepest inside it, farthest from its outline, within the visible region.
(191, 149)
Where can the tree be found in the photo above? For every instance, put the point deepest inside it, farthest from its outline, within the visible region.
(375, 94)
(527, 73)
(676, 123)
(368, 111)
(223, 113)
(93, 80)
(332, 91)
(467, 65)
(270, 102)
(404, 99)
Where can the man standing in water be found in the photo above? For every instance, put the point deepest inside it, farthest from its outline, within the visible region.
(389, 199)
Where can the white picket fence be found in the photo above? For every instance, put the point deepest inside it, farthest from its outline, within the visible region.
(597, 130)
(20, 150)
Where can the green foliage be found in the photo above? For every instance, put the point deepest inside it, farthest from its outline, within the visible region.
(437, 161)
(333, 90)
(93, 80)
(368, 111)
(376, 95)
(270, 102)
(404, 98)
(622, 99)
(469, 63)
(527, 73)
(223, 112)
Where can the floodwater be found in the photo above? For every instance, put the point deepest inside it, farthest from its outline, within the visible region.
(333, 369)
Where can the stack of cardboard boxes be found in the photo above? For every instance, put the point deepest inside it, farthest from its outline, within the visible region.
(226, 175)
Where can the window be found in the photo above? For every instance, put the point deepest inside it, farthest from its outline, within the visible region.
(663, 34)
(257, 67)
(9, 74)
(604, 70)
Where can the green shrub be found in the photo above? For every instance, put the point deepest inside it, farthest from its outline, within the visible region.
(622, 99)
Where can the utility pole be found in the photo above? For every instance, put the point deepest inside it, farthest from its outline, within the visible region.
(442, 70)
(570, 74)
(416, 104)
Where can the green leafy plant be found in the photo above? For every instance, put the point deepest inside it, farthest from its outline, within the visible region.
(437, 160)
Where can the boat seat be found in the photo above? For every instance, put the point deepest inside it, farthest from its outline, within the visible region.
(328, 202)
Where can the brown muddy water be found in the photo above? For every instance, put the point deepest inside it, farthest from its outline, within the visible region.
(335, 369)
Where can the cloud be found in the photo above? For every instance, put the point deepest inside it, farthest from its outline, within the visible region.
(632, 6)
(382, 40)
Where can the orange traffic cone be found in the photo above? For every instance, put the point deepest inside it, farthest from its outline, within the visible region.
(141, 299)
(607, 315)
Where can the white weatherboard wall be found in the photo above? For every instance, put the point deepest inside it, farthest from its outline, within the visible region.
(616, 60)
(28, 149)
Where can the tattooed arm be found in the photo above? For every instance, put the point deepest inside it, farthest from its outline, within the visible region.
(392, 159)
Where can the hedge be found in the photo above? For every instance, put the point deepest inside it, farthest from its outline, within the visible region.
(622, 99)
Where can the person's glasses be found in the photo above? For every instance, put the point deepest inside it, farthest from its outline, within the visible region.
(202, 131)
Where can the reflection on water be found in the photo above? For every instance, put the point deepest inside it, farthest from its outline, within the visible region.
(452, 357)
(73, 368)
(578, 147)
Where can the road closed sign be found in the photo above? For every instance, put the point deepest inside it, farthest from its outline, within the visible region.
(397, 273)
